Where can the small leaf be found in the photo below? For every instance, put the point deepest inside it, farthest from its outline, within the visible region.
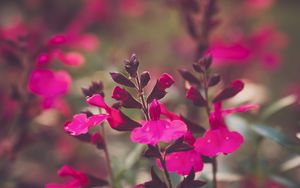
(214, 80)
(189, 182)
(152, 152)
(178, 148)
(121, 79)
(189, 76)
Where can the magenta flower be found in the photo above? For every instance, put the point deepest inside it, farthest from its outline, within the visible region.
(263, 45)
(116, 119)
(219, 139)
(81, 124)
(48, 83)
(78, 179)
(183, 162)
(156, 130)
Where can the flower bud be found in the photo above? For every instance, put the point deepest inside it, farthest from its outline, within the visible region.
(194, 95)
(125, 98)
(144, 79)
(132, 65)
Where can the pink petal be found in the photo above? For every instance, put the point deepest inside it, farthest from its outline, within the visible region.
(183, 162)
(80, 124)
(218, 141)
(97, 100)
(153, 132)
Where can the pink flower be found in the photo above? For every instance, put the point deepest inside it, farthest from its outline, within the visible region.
(48, 83)
(156, 129)
(116, 119)
(81, 124)
(263, 46)
(183, 162)
(218, 139)
(78, 179)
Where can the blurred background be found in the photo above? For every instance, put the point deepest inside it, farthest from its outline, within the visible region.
(254, 40)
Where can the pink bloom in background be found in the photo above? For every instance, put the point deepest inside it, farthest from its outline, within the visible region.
(116, 119)
(156, 130)
(218, 139)
(258, 5)
(81, 124)
(132, 7)
(183, 162)
(263, 46)
(48, 83)
(78, 179)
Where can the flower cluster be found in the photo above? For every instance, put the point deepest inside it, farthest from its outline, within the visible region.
(185, 143)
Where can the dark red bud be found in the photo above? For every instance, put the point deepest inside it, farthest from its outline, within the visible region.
(121, 79)
(235, 87)
(144, 79)
(125, 98)
(158, 92)
(132, 65)
(194, 95)
(165, 81)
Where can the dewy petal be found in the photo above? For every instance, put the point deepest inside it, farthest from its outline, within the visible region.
(218, 141)
(183, 162)
(80, 124)
(152, 132)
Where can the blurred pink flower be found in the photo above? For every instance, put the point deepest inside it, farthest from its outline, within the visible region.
(78, 179)
(263, 46)
(156, 129)
(81, 124)
(132, 7)
(48, 83)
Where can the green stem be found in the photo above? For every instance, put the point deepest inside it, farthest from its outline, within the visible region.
(166, 173)
(107, 157)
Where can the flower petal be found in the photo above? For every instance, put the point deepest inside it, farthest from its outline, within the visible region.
(218, 141)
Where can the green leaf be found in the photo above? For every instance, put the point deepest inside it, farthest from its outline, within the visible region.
(277, 136)
(277, 106)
